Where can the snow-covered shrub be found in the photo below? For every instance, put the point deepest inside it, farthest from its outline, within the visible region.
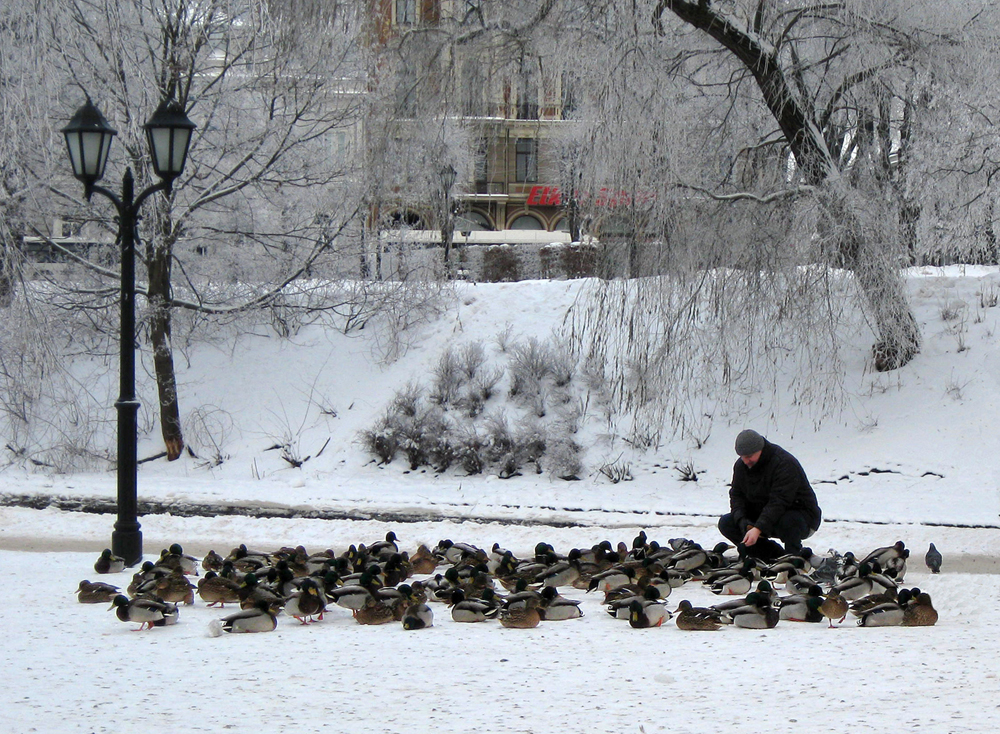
(471, 357)
(579, 261)
(481, 388)
(562, 459)
(505, 337)
(406, 401)
(532, 359)
(498, 439)
(448, 378)
(464, 420)
(501, 264)
(382, 440)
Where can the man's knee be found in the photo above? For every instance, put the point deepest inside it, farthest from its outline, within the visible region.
(793, 528)
(729, 528)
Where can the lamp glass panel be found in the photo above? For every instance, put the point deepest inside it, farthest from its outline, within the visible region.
(73, 144)
(169, 148)
(159, 141)
(182, 137)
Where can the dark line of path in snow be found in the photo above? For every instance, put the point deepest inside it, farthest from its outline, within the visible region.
(108, 506)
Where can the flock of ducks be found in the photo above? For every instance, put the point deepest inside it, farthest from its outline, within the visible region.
(378, 583)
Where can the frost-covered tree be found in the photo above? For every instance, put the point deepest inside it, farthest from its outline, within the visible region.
(267, 197)
(766, 136)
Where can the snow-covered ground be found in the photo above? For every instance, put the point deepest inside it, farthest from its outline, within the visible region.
(928, 431)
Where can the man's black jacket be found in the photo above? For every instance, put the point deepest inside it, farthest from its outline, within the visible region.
(760, 496)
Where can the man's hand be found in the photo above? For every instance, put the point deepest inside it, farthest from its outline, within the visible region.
(752, 536)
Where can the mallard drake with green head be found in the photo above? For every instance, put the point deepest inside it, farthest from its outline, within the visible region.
(417, 617)
(261, 617)
(619, 606)
(757, 613)
(611, 579)
(147, 612)
(887, 555)
(523, 596)
(562, 573)
(800, 583)
(862, 605)
(471, 610)
(108, 562)
(802, 607)
(306, 603)
(175, 557)
(252, 591)
(855, 587)
(147, 572)
(388, 546)
(645, 613)
(734, 584)
(355, 596)
(455, 553)
(249, 561)
(556, 607)
(889, 614)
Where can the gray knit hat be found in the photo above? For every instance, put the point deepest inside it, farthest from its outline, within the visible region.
(749, 442)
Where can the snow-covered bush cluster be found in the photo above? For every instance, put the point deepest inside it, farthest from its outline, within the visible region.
(505, 410)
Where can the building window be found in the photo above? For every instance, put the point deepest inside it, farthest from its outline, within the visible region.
(527, 94)
(526, 160)
(339, 147)
(483, 162)
(567, 100)
(472, 222)
(526, 222)
(406, 12)
(473, 89)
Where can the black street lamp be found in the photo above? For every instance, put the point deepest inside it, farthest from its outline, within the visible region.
(448, 175)
(88, 137)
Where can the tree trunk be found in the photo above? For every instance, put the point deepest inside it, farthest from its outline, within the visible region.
(163, 357)
(869, 253)
(877, 273)
(6, 276)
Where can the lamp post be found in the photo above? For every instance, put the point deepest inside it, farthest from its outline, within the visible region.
(88, 138)
(448, 175)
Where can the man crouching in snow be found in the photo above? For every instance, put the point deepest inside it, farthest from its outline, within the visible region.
(770, 497)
